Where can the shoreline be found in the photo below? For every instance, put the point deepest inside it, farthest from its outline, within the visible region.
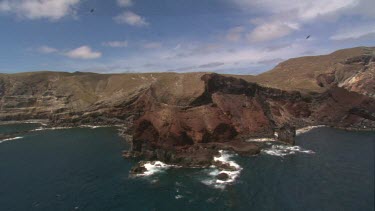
(47, 125)
(309, 128)
(31, 121)
(204, 155)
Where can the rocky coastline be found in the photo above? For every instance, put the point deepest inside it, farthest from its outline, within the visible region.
(186, 119)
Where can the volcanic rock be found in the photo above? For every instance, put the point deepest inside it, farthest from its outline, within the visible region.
(138, 170)
(286, 134)
(222, 176)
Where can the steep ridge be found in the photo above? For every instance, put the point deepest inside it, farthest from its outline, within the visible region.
(355, 65)
(63, 96)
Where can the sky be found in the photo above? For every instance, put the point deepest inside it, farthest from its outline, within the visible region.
(224, 36)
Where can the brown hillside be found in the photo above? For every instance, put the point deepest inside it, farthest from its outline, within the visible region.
(301, 73)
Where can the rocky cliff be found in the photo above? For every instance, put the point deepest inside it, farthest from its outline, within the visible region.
(186, 118)
(231, 110)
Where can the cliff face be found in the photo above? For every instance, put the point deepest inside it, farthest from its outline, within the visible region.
(85, 97)
(233, 109)
(355, 74)
(172, 117)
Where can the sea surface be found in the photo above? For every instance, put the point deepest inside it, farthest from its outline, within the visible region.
(82, 169)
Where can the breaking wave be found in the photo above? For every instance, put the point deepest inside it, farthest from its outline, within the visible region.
(10, 139)
(62, 128)
(95, 126)
(260, 139)
(307, 129)
(51, 128)
(284, 150)
(154, 167)
(213, 172)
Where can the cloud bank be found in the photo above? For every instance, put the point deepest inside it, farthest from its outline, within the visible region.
(39, 9)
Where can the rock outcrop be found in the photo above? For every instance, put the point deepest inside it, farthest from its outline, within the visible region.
(222, 177)
(355, 74)
(286, 134)
(231, 110)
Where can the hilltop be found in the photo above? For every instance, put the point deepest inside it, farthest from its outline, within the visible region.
(347, 66)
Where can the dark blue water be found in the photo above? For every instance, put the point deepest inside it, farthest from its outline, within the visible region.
(82, 169)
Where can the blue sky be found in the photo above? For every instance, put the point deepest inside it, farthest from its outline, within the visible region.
(225, 36)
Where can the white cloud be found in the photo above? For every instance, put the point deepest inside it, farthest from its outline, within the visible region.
(193, 57)
(39, 9)
(281, 18)
(47, 50)
(131, 18)
(303, 9)
(116, 44)
(152, 45)
(271, 31)
(83, 52)
(354, 32)
(125, 3)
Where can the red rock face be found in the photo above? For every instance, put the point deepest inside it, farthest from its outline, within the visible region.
(337, 107)
(231, 109)
(245, 113)
(176, 126)
(227, 108)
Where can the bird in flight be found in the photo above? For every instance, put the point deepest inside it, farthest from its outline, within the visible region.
(308, 37)
(92, 10)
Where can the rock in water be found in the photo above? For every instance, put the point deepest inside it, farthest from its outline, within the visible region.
(222, 176)
(287, 134)
(138, 169)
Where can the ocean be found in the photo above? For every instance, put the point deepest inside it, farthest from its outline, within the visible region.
(82, 169)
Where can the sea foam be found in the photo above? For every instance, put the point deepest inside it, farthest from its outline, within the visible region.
(10, 139)
(94, 126)
(213, 172)
(307, 129)
(51, 128)
(82, 126)
(260, 140)
(284, 150)
(154, 167)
